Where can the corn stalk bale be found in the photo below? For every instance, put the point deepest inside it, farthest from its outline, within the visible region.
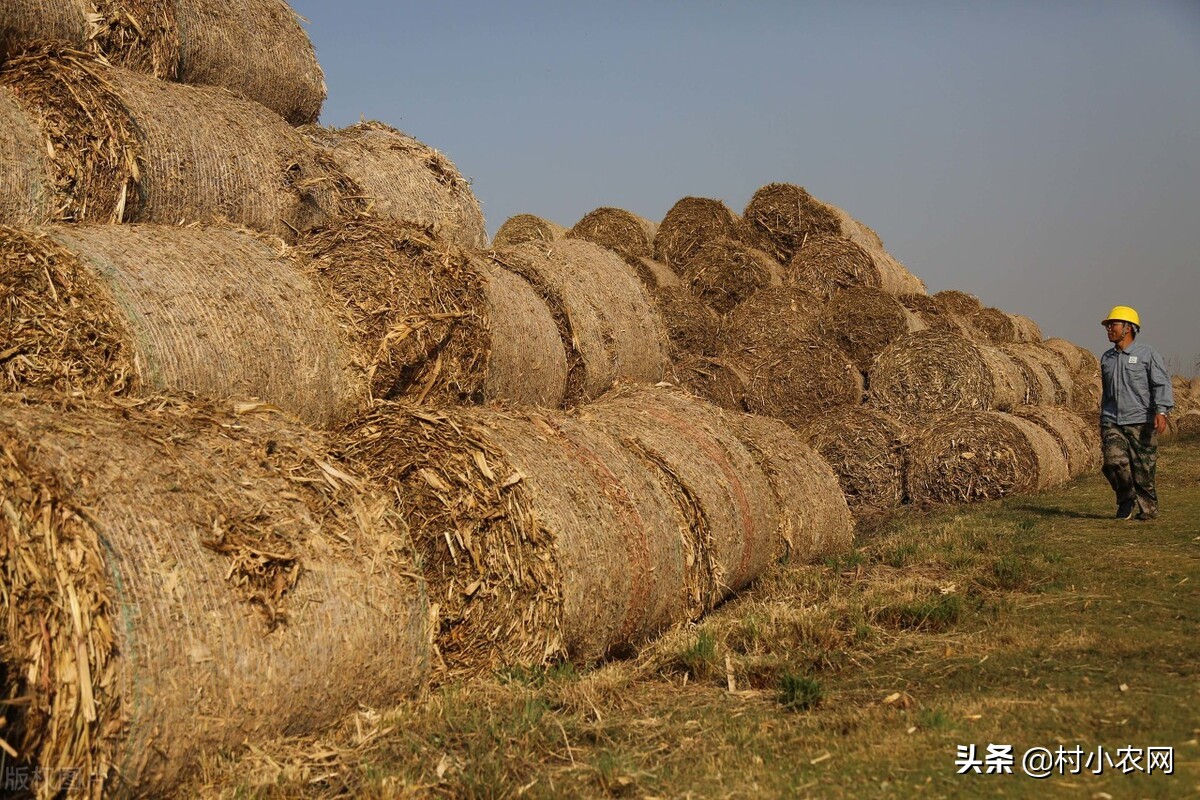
(780, 215)
(814, 518)
(433, 322)
(690, 223)
(826, 264)
(1068, 352)
(526, 227)
(932, 313)
(980, 455)
(23, 193)
(126, 310)
(654, 274)
(894, 276)
(621, 231)
(130, 148)
(864, 321)
(1060, 376)
(406, 180)
(724, 272)
(1036, 388)
(24, 23)
(1187, 425)
(713, 379)
(606, 319)
(692, 327)
(1086, 391)
(1194, 393)
(728, 499)
(544, 538)
(956, 303)
(183, 581)
(1181, 387)
(992, 326)
(1079, 441)
(864, 447)
(1025, 330)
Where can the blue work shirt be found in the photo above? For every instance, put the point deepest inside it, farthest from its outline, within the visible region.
(1136, 385)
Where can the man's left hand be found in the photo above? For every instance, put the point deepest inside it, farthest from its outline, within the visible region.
(1160, 423)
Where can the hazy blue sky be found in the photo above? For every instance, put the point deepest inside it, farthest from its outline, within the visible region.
(1043, 155)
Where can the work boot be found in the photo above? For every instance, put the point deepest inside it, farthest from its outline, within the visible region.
(1127, 509)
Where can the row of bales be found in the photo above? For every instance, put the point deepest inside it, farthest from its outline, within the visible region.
(283, 436)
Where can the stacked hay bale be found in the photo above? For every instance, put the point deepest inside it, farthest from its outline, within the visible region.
(862, 322)
(689, 224)
(160, 555)
(865, 448)
(724, 272)
(527, 227)
(256, 48)
(827, 264)
(406, 180)
(116, 146)
(1079, 439)
(621, 231)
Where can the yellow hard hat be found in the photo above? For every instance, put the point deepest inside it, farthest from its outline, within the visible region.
(1123, 314)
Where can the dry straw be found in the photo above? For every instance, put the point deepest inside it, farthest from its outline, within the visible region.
(864, 321)
(690, 223)
(894, 276)
(1025, 329)
(790, 372)
(183, 580)
(1068, 352)
(433, 322)
(605, 317)
(692, 327)
(981, 455)
(865, 449)
(932, 313)
(1079, 440)
(1187, 426)
(406, 180)
(724, 272)
(619, 230)
(992, 326)
(956, 303)
(23, 195)
(1037, 386)
(826, 264)
(527, 227)
(130, 309)
(716, 380)
(129, 148)
(780, 215)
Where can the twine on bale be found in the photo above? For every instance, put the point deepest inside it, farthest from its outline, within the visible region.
(605, 319)
(179, 554)
(780, 215)
(724, 272)
(864, 321)
(621, 231)
(527, 227)
(22, 166)
(826, 264)
(433, 322)
(692, 222)
(406, 180)
(865, 448)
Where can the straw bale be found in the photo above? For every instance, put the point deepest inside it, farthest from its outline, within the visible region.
(133, 309)
(433, 322)
(780, 215)
(257, 48)
(1187, 426)
(814, 518)
(22, 166)
(864, 321)
(993, 326)
(980, 455)
(932, 313)
(621, 231)
(543, 537)
(1195, 390)
(692, 327)
(605, 316)
(691, 222)
(894, 276)
(956, 303)
(526, 227)
(826, 264)
(1181, 387)
(1060, 376)
(130, 148)
(406, 180)
(182, 581)
(1086, 391)
(1068, 352)
(1079, 441)
(790, 373)
(713, 379)
(728, 499)
(864, 448)
(655, 274)
(724, 272)
(26, 22)
(1025, 329)
(1037, 386)
(1008, 382)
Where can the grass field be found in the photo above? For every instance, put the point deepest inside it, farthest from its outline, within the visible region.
(1034, 622)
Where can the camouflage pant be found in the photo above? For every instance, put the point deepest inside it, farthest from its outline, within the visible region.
(1130, 458)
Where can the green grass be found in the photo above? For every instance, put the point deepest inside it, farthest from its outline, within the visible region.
(1035, 621)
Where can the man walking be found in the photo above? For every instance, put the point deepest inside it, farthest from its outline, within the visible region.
(1133, 412)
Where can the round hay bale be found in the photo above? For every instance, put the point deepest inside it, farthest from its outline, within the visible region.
(894, 276)
(826, 264)
(654, 274)
(1025, 329)
(930, 312)
(789, 372)
(433, 322)
(605, 317)
(692, 327)
(690, 223)
(980, 455)
(1086, 391)
(544, 538)
(130, 148)
(406, 180)
(110, 309)
(724, 272)
(1187, 426)
(780, 215)
(181, 582)
(527, 227)
(1037, 386)
(993, 326)
(814, 519)
(712, 379)
(956, 303)
(26, 23)
(864, 448)
(1080, 445)
(864, 321)
(22, 166)
(728, 499)
(1068, 352)
(1181, 387)
(930, 371)
(1060, 376)
(619, 230)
